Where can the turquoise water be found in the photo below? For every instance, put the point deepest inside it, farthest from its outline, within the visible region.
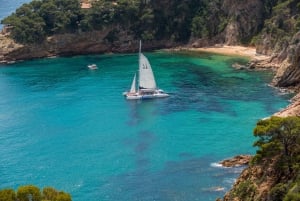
(65, 126)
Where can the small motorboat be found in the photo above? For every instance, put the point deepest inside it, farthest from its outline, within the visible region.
(92, 66)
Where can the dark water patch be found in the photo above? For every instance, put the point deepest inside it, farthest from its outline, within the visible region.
(185, 180)
(134, 117)
(213, 105)
(141, 110)
(145, 139)
(186, 155)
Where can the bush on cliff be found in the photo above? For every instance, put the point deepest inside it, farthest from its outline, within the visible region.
(279, 28)
(279, 138)
(279, 153)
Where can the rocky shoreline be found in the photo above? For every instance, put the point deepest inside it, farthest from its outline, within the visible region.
(240, 160)
(74, 44)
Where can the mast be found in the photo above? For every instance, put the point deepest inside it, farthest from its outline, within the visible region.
(140, 52)
(140, 49)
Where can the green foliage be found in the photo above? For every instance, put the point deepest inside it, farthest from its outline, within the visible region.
(34, 21)
(63, 197)
(292, 197)
(148, 20)
(294, 192)
(27, 193)
(278, 192)
(32, 193)
(245, 190)
(175, 20)
(209, 20)
(283, 23)
(50, 194)
(278, 143)
(279, 137)
(7, 195)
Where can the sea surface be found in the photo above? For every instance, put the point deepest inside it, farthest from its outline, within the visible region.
(65, 126)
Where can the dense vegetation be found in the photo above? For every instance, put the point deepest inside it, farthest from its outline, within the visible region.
(145, 19)
(283, 23)
(279, 149)
(33, 193)
(34, 21)
(152, 19)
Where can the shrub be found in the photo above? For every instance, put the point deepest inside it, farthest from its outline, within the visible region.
(28, 193)
(7, 195)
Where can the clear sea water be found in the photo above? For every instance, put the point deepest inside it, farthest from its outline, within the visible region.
(66, 126)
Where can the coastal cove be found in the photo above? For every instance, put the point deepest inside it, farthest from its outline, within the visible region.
(66, 126)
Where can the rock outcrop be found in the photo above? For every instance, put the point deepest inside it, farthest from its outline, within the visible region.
(286, 66)
(236, 161)
(245, 20)
(95, 42)
(253, 184)
(288, 75)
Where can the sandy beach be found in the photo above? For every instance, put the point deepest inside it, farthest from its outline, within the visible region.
(249, 52)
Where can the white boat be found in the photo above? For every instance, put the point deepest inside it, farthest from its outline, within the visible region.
(92, 66)
(146, 83)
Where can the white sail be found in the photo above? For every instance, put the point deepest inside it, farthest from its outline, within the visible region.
(146, 77)
(133, 89)
(147, 85)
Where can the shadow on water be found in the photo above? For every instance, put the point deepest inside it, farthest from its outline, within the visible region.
(142, 110)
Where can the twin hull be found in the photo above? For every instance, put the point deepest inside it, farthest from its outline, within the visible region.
(154, 94)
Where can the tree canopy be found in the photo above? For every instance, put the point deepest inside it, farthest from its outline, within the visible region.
(175, 20)
(148, 20)
(30, 192)
(279, 138)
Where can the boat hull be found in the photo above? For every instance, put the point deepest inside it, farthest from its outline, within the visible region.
(93, 67)
(139, 95)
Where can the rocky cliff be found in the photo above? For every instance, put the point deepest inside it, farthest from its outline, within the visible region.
(95, 42)
(254, 183)
(234, 23)
(285, 63)
(245, 19)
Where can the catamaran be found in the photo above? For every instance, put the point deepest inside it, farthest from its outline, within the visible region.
(146, 82)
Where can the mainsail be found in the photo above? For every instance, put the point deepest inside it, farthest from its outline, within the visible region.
(147, 86)
(146, 77)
